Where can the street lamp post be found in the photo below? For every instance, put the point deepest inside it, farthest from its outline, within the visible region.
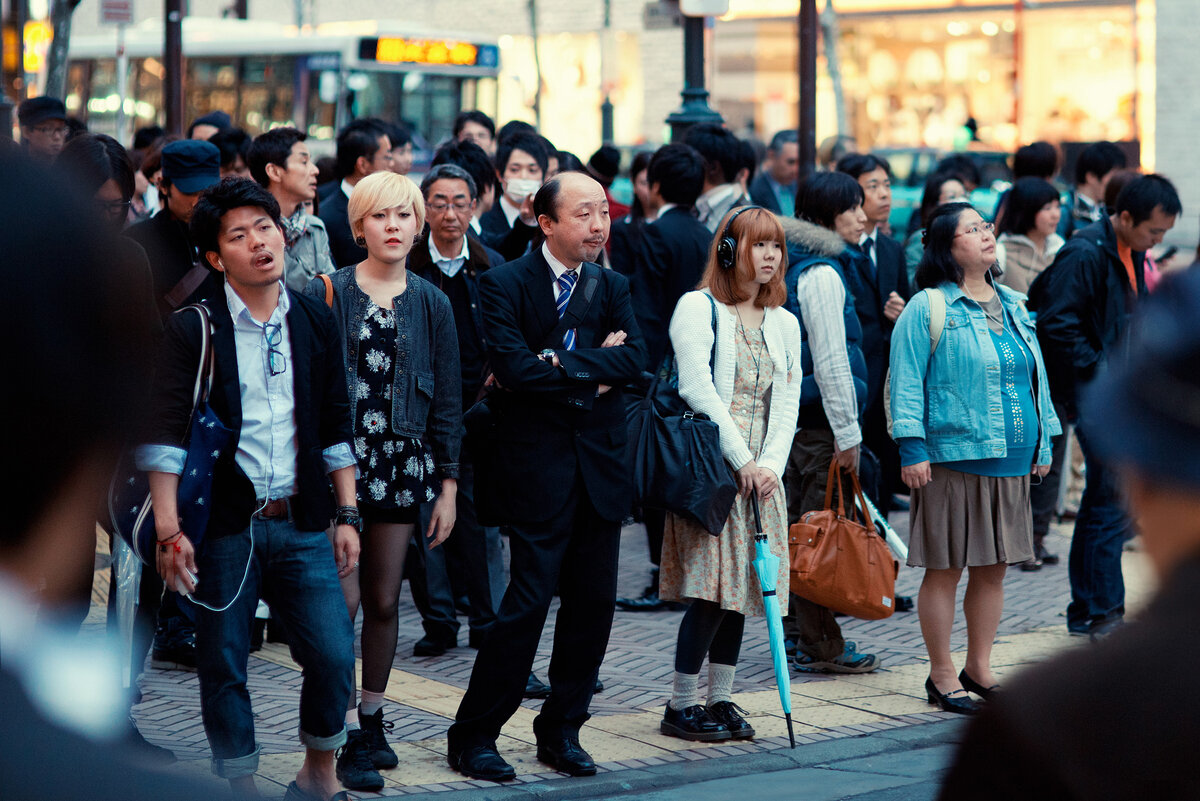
(173, 61)
(695, 108)
(808, 88)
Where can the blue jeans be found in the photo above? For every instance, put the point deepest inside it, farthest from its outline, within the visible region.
(296, 574)
(1101, 529)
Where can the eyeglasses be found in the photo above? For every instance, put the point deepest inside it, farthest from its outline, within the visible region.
(459, 206)
(52, 130)
(112, 208)
(274, 335)
(976, 230)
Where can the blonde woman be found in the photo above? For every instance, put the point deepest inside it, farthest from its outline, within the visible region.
(402, 372)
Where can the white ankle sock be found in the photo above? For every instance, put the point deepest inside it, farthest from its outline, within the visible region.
(686, 691)
(371, 702)
(720, 682)
(352, 719)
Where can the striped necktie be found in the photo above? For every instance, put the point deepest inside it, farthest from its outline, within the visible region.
(566, 282)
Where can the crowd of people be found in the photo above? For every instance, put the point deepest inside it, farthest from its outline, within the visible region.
(413, 373)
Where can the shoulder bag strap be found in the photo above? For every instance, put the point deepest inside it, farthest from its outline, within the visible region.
(937, 317)
(328, 282)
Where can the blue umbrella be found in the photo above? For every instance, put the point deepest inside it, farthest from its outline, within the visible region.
(766, 565)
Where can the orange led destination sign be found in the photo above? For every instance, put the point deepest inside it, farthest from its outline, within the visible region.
(399, 50)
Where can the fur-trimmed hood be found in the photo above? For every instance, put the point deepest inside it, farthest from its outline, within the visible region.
(812, 237)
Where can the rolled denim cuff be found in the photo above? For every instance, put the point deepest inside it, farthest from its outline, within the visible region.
(338, 456)
(237, 767)
(160, 458)
(445, 471)
(331, 743)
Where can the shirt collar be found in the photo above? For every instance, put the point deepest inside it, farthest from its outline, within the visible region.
(241, 313)
(511, 211)
(475, 226)
(663, 210)
(872, 234)
(556, 266)
(449, 266)
(347, 187)
(716, 196)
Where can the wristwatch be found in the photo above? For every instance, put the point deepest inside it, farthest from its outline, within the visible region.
(349, 516)
(547, 356)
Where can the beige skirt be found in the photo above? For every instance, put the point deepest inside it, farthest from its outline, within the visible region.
(964, 520)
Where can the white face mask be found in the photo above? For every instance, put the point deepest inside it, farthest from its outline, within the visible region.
(518, 189)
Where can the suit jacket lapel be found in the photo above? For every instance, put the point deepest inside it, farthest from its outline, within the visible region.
(582, 296)
(886, 265)
(301, 366)
(538, 280)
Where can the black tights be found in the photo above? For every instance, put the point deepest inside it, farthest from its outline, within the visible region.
(376, 585)
(708, 629)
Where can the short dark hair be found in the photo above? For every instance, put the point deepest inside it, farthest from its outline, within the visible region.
(546, 199)
(1099, 159)
(788, 136)
(856, 164)
(719, 148)
(527, 143)
(476, 116)
(825, 195)
(272, 147)
(93, 160)
(448, 172)
(217, 201)
(472, 158)
(933, 189)
(678, 169)
(1117, 181)
(1024, 201)
(961, 166)
(398, 134)
(1145, 194)
(359, 139)
(937, 265)
(91, 371)
(1035, 160)
(569, 162)
(147, 135)
(232, 142)
(514, 127)
(747, 158)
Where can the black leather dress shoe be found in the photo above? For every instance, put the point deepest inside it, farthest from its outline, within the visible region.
(969, 684)
(954, 701)
(429, 646)
(481, 762)
(1045, 556)
(536, 688)
(646, 602)
(693, 723)
(565, 754)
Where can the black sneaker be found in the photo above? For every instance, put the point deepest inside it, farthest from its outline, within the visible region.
(177, 657)
(145, 750)
(373, 728)
(730, 714)
(354, 768)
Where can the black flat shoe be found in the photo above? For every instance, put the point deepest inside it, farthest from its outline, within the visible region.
(536, 688)
(955, 701)
(904, 603)
(1046, 557)
(481, 762)
(694, 723)
(428, 646)
(968, 683)
(565, 754)
(729, 714)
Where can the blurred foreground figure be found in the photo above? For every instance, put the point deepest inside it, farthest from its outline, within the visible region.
(76, 409)
(1102, 721)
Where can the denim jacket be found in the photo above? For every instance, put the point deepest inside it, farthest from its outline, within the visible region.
(426, 393)
(953, 399)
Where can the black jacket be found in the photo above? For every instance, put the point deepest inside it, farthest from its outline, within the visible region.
(169, 250)
(1083, 303)
(872, 285)
(322, 410)
(337, 224)
(763, 194)
(669, 260)
(548, 426)
(510, 240)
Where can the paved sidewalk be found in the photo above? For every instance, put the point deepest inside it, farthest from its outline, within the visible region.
(836, 718)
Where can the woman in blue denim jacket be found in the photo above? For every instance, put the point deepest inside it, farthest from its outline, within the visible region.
(402, 372)
(973, 419)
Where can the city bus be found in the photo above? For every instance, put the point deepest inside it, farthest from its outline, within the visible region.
(266, 74)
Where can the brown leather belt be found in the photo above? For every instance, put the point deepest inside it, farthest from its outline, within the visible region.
(274, 510)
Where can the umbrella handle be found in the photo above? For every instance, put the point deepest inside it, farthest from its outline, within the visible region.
(754, 508)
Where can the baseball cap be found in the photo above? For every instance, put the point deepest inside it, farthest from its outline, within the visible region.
(191, 165)
(37, 110)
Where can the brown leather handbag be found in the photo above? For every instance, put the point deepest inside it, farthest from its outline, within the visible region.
(840, 563)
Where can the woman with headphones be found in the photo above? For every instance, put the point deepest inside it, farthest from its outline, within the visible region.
(752, 391)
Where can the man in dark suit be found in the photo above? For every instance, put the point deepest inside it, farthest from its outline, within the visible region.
(363, 147)
(510, 225)
(561, 339)
(880, 292)
(774, 187)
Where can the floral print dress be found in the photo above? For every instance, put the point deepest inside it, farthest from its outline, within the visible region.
(394, 472)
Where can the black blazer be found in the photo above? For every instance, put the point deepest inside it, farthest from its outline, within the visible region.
(671, 255)
(171, 256)
(762, 194)
(510, 240)
(871, 290)
(322, 408)
(547, 426)
(337, 224)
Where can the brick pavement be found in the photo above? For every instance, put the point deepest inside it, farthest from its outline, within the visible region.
(423, 693)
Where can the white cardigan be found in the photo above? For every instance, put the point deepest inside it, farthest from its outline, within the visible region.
(711, 394)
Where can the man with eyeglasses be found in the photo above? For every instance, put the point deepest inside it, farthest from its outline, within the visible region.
(279, 384)
(453, 262)
(44, 130)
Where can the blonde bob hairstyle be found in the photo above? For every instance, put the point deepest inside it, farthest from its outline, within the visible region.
(384, 190)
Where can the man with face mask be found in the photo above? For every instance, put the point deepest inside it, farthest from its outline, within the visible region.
(521, 166)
